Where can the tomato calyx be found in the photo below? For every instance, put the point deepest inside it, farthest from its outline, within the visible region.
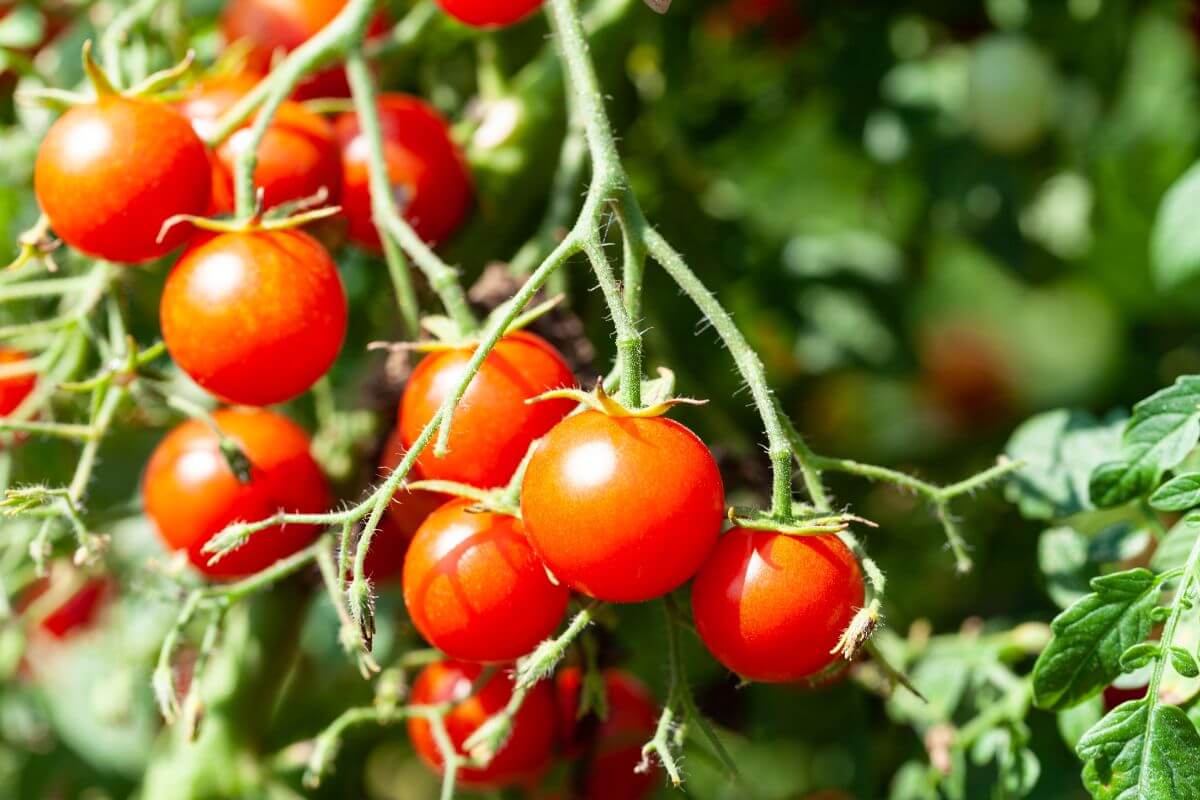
(154, 85)
(859, 632)
(36, 243)
(258, 222)
(600, 400)
(804, 521)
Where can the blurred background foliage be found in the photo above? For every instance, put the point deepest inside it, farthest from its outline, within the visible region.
(933, 220)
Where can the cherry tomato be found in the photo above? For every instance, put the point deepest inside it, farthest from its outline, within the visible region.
(489, 13)
(110, 173)
(254, 318)
(190, 493)
(622, 509)
(534, 731)
(280, 26)
(428, 174)
(771, 607)
(14, 389)
(297, 158)
(76, 612)
(493, 425)
(613, 746)
(474, 588)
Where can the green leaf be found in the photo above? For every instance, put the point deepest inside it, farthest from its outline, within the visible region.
(1136, 753)
(1139, 656)
(1090, 637)
(1178, 494)
(1173, 550)
(1059, 450)
(1175, 240)
(1063, 561)
(1184, 663)
(1164, 429)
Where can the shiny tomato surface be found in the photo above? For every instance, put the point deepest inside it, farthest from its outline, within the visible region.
(190, 493)
(622, 509)
(254, 318)
(110, 173)
(771, 607)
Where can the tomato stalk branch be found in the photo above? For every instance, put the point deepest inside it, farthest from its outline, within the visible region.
(386, 215)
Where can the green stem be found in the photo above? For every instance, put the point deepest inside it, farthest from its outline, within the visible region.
(752, 371)
(629, 340)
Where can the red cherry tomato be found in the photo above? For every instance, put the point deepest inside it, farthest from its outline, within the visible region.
(489, 13)
(474, 588)
(14, 389)
(493, 426)
(297, 158)
(78, 611)
(534, 732)
(771, 607)
(190, 493)
(622, 509)
(428, 174)
(613, 746)
(110, 173)
(254, 318)
(275, 26)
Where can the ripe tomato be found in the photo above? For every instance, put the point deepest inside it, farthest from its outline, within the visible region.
(190, 493)
(474, 588)
(613, 746)
(14, 390)
(771, 607)
(273, 26)
(254, 318)
(428, 174)
(493, 426)
(533, 736)
(622, 509)
(489, 13)
(110, 173)
(297, 158)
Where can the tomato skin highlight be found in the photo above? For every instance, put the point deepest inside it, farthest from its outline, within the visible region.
(255, 318)
(489, 13)
(622, 509)
(771, 607)
(475, 589)
(493, 426)
(613, 746)
(190, 493)
(428, 173)
(534, 731)
(110, 173)
(14, 389)
(297, 157)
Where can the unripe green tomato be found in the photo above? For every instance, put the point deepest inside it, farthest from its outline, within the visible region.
(1012, 89)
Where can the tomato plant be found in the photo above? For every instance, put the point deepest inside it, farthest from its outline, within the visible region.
(474, 588)
(254, 318)
(191, 493)
(424, 167)
(14, 389)
(110, 173)
(623, 510)
(495, 425)
(529, 747)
